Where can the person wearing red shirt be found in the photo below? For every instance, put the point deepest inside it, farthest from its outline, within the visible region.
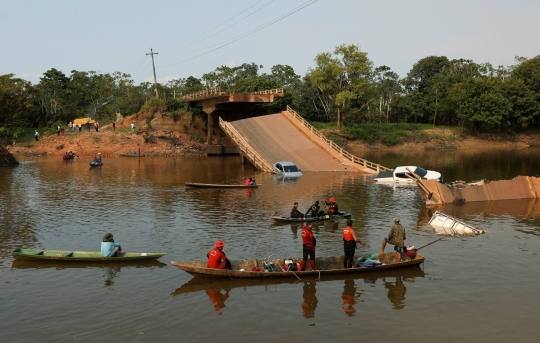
(308, 246)
(216, 256)
(349, 244)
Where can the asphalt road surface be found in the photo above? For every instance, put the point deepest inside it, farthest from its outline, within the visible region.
(276, 139)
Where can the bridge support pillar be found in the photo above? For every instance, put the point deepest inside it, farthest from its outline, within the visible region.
(209, 110)
(243, 159)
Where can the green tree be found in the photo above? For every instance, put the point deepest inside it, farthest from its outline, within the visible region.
(343, 79)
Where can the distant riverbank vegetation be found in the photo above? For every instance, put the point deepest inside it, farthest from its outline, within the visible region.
(343, 90)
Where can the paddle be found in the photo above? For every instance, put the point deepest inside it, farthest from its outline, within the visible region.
(429, 244)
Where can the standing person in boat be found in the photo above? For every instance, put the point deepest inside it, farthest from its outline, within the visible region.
(216, 256)
(349, 244)
(308, 246)
(313, 210)
(109, 248)
(295, 213)
(396, 237)
(332, 207)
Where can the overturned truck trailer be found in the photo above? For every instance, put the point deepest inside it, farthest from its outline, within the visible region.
(521, 187)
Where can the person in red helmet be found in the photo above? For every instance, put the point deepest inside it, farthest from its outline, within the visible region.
(308, 246)
(332, 207)
(216, 256)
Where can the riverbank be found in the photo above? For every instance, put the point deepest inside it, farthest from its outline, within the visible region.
(111, 144)
(445, 139)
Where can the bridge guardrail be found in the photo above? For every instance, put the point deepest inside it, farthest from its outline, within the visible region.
(248, 152)
(344, 153)
(204, 93)
(270, 91)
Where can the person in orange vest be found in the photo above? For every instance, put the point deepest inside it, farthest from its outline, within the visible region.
(332, 207)
(308, 246)
(349, 244)
(216, 256)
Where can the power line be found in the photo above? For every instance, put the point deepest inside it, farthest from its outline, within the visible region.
(226, 21)
(236, 22)
(301, 7)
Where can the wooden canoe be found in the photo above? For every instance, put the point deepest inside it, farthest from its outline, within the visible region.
(325, 266)
(92, 164)
(81, 256)
(217, 185)
(309, 219)
(130, 155)
(198, 284)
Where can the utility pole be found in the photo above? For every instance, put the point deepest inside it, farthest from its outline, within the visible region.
(154, 67)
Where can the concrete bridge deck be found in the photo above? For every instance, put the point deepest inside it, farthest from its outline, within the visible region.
(276, 138)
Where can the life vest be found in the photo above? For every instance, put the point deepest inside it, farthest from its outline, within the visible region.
(347, 235)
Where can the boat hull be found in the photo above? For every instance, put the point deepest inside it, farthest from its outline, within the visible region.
(310, 219)
(95, 164)
(81, 256)
(217, 185)
(328, 265)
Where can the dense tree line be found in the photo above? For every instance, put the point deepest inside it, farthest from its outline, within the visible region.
(343, 86)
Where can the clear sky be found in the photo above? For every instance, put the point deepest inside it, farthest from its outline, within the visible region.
(115, 35)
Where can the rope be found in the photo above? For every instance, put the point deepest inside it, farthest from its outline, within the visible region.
(299, 278)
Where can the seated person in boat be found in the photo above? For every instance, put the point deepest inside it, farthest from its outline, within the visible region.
(96, 160)
(216, 256)
(295, 213)
(109, 248)
(250, 181)
(332, 207)
(396, 236)
(66, 155)
(308, 246)
(313, 210)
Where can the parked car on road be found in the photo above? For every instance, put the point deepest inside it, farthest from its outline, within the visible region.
(287, 169)
(399, 175)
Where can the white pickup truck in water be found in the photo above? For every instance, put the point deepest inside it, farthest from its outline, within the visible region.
(399, 175)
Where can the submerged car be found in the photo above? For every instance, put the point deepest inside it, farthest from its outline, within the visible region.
(399, 175)
(287, 169)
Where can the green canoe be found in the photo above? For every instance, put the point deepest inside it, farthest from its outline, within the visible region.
(83, 256)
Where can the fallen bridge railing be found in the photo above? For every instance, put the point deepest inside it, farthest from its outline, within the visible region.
(246, 150)
(342, 152)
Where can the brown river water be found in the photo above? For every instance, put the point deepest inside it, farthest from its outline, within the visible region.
(482, 289)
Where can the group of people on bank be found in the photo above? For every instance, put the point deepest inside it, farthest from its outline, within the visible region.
(218, 260)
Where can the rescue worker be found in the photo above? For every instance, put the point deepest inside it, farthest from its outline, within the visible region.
(313, 210)
(308, 246)
(396, 236)
(250, 181)
(215, 257)
(349, 244)
(332, 207)
(295, 213)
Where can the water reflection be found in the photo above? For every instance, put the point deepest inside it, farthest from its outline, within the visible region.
(219, 290)
(109, 273)
(108, 270)
(218, 299)
(310, 300)
(396, 292)
(350, 297)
